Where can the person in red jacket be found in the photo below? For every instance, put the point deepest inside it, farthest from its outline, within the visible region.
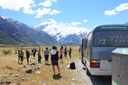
(61, 55)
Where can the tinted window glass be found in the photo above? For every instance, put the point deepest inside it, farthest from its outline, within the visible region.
(111, 38)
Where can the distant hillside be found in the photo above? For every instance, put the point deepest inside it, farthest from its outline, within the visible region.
(126, 23)
(15, 33)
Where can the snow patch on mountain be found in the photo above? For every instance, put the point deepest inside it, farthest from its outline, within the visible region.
(62, 30)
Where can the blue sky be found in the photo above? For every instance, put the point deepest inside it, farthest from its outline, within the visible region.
(81, 13)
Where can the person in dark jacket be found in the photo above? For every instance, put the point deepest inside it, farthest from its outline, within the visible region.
(27, 55)
(54, 59)
(70, 52)
(34, 52)
(21, 56)
(39, 55)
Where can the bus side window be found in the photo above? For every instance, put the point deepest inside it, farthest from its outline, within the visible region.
(89, 40)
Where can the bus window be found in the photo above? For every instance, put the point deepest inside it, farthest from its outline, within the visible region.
(89, 40)
(111, 38)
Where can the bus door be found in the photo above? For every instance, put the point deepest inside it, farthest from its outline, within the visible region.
(83, 51)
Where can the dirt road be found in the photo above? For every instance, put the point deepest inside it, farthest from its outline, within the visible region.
(90, 80)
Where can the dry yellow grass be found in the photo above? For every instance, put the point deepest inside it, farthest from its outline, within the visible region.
(67, 76)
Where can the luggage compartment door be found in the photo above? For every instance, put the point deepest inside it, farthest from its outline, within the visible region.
(105, 61)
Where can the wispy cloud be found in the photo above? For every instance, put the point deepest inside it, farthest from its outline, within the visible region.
(121, 7)
(47, 3)
(29, 11)
(27, 7)
(44, 11)
(112, 12)
(76, 23)
(85, 21)
(16, 4)
(54, 12)
(41, 12)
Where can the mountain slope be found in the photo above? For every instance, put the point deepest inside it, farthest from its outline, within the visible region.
(63, 32)
(6, 39)
(16, 33)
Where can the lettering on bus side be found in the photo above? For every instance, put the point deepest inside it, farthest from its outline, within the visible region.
(112, 42)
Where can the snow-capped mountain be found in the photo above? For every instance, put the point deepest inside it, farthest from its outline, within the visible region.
(13, 32)
(63, 32)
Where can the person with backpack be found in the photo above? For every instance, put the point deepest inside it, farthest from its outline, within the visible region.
(54, 59)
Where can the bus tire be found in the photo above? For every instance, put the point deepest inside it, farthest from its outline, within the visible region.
(87, 72)
(83, 61)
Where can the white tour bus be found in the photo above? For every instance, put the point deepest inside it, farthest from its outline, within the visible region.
(97, 46)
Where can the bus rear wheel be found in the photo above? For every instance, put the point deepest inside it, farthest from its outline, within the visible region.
(83, 61)
(87, 72)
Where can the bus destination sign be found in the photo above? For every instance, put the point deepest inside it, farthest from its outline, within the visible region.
(114, 27)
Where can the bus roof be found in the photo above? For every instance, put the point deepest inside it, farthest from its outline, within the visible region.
(111, 27)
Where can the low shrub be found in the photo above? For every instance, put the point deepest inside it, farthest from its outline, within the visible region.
(7, 52)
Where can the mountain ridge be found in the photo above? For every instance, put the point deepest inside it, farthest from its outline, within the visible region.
(18, 33)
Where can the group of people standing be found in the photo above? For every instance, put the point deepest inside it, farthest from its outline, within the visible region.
(34, 51)
(20, 56)
(66, 51)
(55, 55)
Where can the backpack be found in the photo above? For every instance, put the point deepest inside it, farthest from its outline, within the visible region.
(72, 65)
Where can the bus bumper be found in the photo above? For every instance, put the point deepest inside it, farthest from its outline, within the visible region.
(99, 72)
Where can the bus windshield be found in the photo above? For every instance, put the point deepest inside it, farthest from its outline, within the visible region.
(107, 38)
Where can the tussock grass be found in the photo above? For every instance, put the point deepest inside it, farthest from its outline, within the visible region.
(67, 76)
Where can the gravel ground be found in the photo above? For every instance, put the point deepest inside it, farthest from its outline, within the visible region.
(88, 79)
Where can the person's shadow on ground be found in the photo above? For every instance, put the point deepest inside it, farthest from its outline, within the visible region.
(57, 77)
(48, 64)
